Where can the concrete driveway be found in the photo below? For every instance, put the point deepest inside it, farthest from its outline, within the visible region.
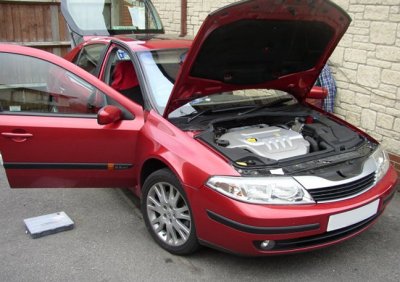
(110, 243)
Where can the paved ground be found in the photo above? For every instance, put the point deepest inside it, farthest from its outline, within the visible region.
(110, 243)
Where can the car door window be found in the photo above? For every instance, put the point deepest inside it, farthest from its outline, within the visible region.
(32, 86)
(121, 75)
(89, 57)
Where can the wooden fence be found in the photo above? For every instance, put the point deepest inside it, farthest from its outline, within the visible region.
(38, 24)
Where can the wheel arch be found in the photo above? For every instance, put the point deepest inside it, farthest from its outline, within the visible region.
(151, 165)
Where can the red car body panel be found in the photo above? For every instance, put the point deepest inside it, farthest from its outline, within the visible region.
(164, 142)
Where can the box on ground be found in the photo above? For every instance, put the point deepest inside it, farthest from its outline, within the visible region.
(48, 224)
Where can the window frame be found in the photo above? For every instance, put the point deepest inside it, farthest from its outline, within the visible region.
(100, 58)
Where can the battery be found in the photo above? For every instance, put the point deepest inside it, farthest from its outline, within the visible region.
(43, 225)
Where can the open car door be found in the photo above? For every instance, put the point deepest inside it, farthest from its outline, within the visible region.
(61, 126)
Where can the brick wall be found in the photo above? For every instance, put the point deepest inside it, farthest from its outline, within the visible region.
(366, 63)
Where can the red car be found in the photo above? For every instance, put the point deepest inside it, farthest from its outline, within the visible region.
(214, 135)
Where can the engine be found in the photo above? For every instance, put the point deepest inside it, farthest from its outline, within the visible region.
(258, 141)
(271, 142)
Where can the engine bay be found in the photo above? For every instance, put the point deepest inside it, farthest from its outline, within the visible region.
(305, 142)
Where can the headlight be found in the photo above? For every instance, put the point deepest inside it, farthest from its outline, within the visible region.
(261, 190)
(382, 162)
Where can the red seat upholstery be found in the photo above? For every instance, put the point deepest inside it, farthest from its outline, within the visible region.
(124, 76)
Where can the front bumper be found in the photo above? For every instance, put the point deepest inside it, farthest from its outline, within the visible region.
(240, 228)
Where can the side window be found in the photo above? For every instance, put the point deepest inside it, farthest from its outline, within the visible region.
(89, 58)
(121, 75)
(30, 85)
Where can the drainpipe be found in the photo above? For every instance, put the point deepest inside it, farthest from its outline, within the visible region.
(183, 18)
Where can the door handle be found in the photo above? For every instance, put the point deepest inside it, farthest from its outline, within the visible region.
(17, 136)
(12, 134)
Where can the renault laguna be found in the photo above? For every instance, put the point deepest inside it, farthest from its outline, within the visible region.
(214, 135)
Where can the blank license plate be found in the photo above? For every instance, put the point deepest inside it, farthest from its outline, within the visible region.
(351, 217)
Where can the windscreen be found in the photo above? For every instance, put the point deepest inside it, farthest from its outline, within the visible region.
(161, 68)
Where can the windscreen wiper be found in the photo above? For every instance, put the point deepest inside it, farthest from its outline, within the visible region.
(275, 102)
(198, 114)
(215, 110)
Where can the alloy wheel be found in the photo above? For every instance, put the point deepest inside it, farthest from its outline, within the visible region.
(168, 214)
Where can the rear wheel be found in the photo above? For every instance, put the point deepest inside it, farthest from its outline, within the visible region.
(167, 213)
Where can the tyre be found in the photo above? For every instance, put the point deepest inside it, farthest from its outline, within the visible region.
(167, 214)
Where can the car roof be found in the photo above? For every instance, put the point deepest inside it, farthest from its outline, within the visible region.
(143, 42)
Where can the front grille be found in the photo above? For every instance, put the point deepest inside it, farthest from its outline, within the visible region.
(344, 190)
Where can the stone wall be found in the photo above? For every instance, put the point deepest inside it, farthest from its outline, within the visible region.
(366, 63)
(367, 69)
(170, 14)
(198, 10)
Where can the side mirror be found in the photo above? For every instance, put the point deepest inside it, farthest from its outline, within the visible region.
(109, 114)
(317, 92)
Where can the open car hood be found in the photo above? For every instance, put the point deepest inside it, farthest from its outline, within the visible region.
(274, 44)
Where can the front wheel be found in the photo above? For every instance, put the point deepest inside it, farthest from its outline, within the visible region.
(167, 213)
